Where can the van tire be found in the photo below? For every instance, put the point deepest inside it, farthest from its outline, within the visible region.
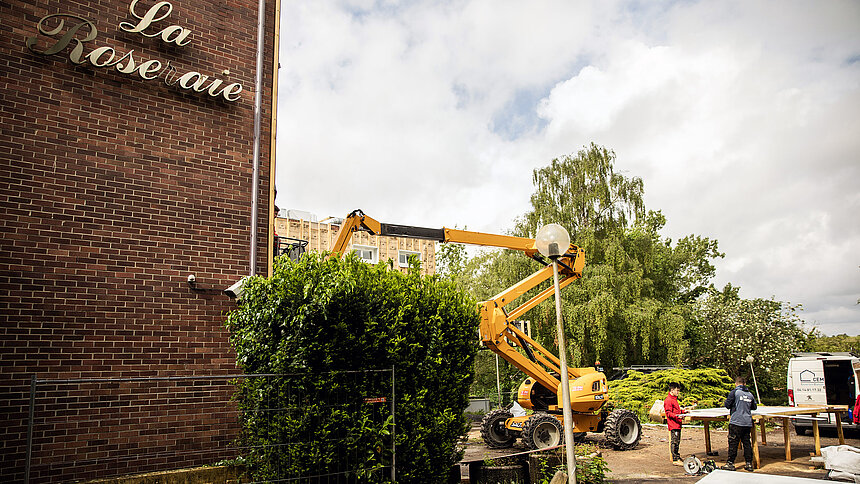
(799, 430)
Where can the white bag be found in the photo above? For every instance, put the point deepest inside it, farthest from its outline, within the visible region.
(657, 412)
(843, 462)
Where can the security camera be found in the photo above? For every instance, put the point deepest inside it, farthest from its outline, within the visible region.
(192, 279)
(235, 291)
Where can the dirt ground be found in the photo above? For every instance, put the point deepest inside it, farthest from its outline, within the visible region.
(649, 462)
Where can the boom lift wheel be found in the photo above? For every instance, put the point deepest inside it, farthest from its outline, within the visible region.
(622, 429)
(542, 431)
(493, 429)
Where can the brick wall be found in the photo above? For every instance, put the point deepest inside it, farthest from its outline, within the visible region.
(115, 188)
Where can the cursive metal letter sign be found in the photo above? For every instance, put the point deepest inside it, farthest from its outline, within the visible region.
(81, 31)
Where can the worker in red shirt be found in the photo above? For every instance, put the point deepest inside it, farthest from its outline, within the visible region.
(673, 419)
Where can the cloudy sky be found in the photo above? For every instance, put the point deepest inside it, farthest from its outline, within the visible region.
(741, 117)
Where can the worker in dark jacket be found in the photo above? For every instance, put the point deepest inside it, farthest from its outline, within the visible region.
(673, 421)
(740, 403)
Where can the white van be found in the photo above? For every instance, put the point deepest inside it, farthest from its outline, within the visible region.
(823, 379)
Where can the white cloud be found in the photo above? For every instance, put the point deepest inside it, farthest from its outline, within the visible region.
(741, 117)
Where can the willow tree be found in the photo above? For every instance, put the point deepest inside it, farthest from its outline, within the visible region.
(633, 302)
(585, 195)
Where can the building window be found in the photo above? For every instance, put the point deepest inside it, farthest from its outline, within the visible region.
(403, 257)
(367, 253)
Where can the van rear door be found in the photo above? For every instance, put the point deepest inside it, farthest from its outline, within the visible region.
(806, 378)
(839, 382)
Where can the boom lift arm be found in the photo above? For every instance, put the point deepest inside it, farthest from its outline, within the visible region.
(497, 332)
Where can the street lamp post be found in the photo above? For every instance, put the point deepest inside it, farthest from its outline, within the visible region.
(553, 241)
(750, 360)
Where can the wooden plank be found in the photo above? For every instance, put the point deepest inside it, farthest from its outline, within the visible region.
(783, 413)
(769, 411)
(763, 432)
(707, 437)
(817, 435)
(839, 427)
(756, 458)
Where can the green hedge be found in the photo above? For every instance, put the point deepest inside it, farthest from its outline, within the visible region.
(318, 315)
(637, 392)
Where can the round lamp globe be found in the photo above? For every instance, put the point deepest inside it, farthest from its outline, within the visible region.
(552, 241)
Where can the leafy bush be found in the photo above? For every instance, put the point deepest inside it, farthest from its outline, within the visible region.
(591, 467)
(317, 316)
(637, 392)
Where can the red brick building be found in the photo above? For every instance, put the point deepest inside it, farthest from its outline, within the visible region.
(126, 165)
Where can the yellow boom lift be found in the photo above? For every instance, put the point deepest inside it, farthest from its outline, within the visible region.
(541, 391)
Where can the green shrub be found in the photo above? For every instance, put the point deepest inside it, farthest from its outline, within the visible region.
(590, 470)
(637, 392)
(318, 315)
(591, 467)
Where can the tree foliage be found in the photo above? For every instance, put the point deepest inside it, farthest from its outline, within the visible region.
(485, 383)
(453, 262)
(836, 343)
(317, 317)
(643, 298)
(726, 329)
(583, 193)
(631, 305)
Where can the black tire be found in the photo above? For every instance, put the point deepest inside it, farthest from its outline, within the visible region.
(801, 430)
(622, 429)
(542, 431)
(493, 430)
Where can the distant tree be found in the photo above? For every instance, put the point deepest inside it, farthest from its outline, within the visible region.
(726, 329)
(453, 262)
(836, 343)
(485, 384)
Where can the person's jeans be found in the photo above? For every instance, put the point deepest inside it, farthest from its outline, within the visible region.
(674, 446)
(741, 435)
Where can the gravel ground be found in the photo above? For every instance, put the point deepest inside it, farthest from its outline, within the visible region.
(649, 462)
